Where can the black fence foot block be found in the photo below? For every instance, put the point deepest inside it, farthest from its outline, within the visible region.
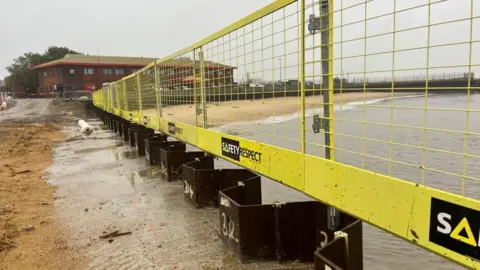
(125, 131)
(112, 123)
(283, 231)
(202, 182)
(296, 226)
(115, 125)
(140, 136)
(344, 252)
(131, 134)
(109, 122)
(246, 226)
(152, 148)
(119, 127)
(172, 157)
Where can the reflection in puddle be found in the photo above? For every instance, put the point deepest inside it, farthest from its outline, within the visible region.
(90, 150)
(148, 173)
(131, 178)
(133, 154)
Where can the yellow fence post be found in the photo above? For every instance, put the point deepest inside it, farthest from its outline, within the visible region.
(109, 98)
(326, 28)
(117, 96)
(157, 93)
(302, 71)
(195, 104)
(202, 89)
(330, 80)
(140, 114)
(125, 94)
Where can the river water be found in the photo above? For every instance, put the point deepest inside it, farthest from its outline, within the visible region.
(382, 250)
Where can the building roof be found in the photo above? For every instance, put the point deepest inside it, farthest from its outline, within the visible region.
(188, 63)
(93, 60)
(119, 61)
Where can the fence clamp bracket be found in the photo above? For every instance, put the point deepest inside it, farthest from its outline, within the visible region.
(319, 123)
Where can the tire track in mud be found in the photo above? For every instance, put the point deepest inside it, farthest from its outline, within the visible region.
(26, 108)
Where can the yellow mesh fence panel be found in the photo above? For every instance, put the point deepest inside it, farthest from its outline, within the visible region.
(105, 97)
(341, 89)
(148, 92)
(177, 81)
(252, 79)
(120, 95)
(131, 93)
(114, 95)
(403, 103)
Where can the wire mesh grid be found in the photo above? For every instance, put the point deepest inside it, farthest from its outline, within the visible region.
(421, 121)
(105, 97)
(176, 82)
(131, 93)
(252, 79)
(386, 86)
(148, 92)
(121, 95)
(114, 95)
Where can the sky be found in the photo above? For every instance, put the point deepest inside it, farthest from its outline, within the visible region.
(157, 28)
(148, 28)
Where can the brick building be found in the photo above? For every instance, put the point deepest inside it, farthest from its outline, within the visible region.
(180, 72)
(76, 72)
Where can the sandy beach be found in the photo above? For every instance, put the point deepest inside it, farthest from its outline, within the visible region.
(260, 109)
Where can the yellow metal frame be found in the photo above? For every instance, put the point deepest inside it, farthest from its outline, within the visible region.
(394, 205)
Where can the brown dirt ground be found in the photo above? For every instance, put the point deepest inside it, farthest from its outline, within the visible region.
(26, 200)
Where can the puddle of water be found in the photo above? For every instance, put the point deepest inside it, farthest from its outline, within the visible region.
(150, 172)
(96, 149)
(75, 138)
(148, 175)
(121, 191)
(133, 154)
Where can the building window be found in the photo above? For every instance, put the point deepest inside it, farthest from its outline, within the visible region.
(134, 70)
(72, 71)
(227, 72)
(88, 71)
(107, 71)
(45, 74)
(119, 71)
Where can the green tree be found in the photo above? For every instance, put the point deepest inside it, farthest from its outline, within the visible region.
(21, 72)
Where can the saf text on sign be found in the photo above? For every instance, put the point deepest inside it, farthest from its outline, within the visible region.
(455, 227)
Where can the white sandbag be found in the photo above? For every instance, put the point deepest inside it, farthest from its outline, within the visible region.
(85, 128)
(3, 105)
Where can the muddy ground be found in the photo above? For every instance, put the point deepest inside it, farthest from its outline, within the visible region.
(60, 191)
(30, 234)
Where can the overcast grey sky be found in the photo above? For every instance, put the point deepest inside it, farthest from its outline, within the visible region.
(156, 28)
(149, 28)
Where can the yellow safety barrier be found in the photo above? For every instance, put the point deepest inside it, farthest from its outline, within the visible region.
(367, 106)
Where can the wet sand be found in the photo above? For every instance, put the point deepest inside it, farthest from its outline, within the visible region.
(120, 191)
(253, 110)
(30, 235)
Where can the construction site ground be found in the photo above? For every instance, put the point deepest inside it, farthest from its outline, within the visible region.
(60, 191)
